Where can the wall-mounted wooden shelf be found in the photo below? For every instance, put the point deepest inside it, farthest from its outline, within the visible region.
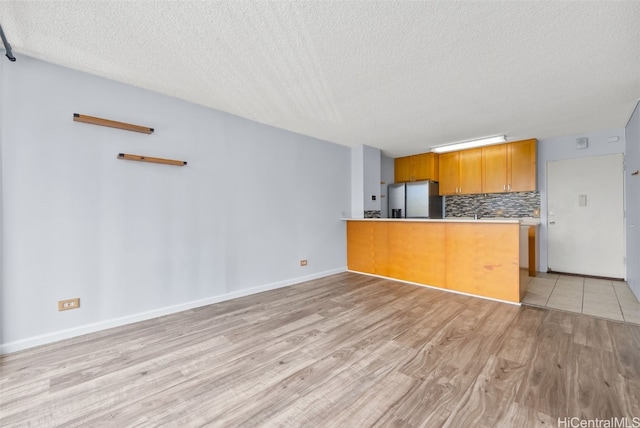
(139, 158)
(111, 123)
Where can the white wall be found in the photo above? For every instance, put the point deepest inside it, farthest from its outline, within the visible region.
(632, 191)
(565, 148)
(135, 240)
(387, 170)
(371, 178)
(357, 182)
(365, 179)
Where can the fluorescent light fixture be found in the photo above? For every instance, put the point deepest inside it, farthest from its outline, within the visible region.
(470, 144)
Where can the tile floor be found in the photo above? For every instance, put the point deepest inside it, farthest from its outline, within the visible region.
(597, 297)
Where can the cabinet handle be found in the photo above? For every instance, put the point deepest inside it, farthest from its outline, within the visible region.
(509, 187)
(504, 187)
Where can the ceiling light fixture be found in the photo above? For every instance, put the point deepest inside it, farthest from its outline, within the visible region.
(497, 139)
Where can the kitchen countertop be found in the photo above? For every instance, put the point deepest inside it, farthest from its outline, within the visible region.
(526, 221)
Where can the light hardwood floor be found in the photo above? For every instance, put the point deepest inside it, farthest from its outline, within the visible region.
(346, 351)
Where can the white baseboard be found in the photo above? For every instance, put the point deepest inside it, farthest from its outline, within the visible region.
(44, 339)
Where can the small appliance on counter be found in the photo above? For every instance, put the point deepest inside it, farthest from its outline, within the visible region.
(416, 199)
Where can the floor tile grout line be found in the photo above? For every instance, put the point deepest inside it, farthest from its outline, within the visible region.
(619, 304)
(550, 294)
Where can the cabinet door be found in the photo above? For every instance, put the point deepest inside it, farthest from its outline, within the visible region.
(470, 172)
(494, 169)
(522, 166)
(425, 166)
(402, 169)
(449, 181)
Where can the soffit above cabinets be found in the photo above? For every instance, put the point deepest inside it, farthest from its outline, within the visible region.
(396, 75)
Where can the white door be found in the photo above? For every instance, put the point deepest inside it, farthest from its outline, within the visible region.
(585, 216)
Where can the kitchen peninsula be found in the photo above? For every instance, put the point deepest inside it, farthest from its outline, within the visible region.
(477, 257)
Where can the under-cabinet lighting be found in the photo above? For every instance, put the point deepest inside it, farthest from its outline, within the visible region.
(470, 144)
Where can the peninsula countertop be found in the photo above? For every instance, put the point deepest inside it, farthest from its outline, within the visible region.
(524, 221)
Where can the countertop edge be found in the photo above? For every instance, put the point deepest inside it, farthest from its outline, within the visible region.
(526, 221)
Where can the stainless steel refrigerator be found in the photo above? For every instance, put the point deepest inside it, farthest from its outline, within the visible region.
(417, 199)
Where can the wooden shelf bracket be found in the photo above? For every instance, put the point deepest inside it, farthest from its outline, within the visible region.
(111, 123)
(139, 158)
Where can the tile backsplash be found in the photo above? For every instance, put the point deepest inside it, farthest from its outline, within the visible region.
(372, 214)
(516, 204)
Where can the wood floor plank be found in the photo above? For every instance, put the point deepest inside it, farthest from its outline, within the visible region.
(594, 375)
(592, 332)
(488, 399)
(626, 341)
(550, 371)
(345, 350)
(525, 417)
(518, 342)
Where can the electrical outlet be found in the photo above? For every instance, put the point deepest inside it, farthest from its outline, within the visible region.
(65, 305)
(303, 262)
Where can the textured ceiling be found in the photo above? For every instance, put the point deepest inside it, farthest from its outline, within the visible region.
(398, 75)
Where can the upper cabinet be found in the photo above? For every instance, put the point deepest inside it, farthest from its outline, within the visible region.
(494, 168)
(424, 166)
(501, 168)
(461, 172)
(522, 166)
(449, 173)
(509, 167)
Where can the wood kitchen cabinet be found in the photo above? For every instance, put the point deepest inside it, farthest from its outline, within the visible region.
(522, 166)
(461, 172)
(509, 167)
(449, 167)
(416, 167)
(403, 170)
(494, 168)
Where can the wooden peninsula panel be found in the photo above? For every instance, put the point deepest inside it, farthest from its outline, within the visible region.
(367, 250)
(483, 259)
(381, 251)
(479, 258)
(417, 252)
(360, 246)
